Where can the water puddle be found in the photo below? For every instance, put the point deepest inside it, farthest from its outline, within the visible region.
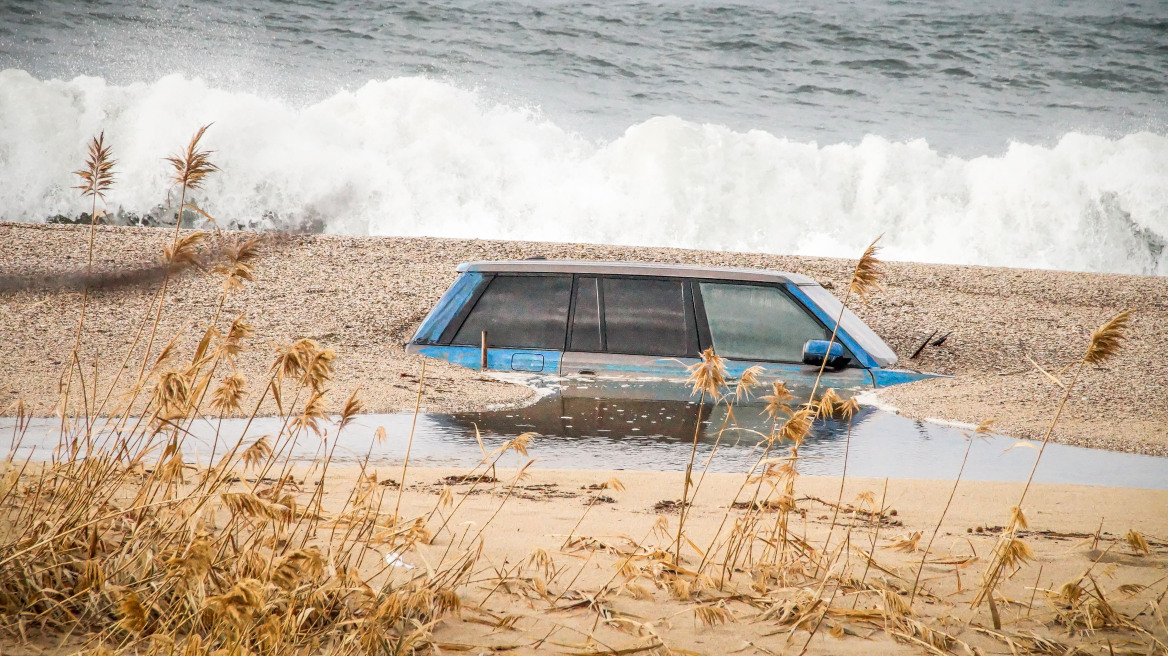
(651, 426)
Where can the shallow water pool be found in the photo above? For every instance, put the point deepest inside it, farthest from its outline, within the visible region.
(642, 426)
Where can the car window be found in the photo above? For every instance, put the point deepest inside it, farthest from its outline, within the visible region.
(520, 312)
(644, 316)
(586, 318)
(754, 322)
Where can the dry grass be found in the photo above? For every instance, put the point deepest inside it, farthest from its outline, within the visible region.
(1011, 552)
(121, 545)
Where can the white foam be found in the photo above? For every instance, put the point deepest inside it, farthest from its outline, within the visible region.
(412, 156)
(871, 398)
(962, 425)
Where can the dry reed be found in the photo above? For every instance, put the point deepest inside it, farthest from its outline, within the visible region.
(1010, 552)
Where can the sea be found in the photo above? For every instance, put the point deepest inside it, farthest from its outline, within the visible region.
(1022, 134)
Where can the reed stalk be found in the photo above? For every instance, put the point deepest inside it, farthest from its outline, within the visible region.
(190, 170)
(97, 177)
(409, 444)
(708, 377)
(865, 280)
(982, 429)
(1009, 551)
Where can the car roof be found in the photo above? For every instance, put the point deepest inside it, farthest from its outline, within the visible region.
(637, 269)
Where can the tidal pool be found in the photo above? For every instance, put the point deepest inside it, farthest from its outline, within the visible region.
(651, 426)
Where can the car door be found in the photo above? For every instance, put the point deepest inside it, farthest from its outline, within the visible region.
(751, 324)
(525, 318)
(631, 327)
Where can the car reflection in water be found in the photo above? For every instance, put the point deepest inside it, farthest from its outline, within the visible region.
(638, 413)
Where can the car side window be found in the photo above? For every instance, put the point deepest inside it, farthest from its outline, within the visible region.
(646, 316)
(756, 322)
(520, 312)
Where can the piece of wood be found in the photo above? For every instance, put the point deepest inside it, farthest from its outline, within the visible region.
(483, 354)
(923, 345)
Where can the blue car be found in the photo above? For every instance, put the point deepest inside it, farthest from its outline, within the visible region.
(614, 321)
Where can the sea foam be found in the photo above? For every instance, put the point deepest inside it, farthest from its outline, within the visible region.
(415, 156)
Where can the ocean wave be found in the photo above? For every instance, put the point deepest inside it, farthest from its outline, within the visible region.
(414, 156)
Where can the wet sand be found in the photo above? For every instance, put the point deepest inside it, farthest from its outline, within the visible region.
(363, 297)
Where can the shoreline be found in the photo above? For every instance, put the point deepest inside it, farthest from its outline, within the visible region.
(363, 296)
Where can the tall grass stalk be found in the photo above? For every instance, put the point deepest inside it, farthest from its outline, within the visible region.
(190, 170)
(877, 521)
(708, 377)
(982, 429)
(846, 411)
(742, 389)
(410, 443)
(97, 177)
(865, 280)
(1010, 551)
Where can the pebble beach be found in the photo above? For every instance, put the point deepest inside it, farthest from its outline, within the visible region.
(1008, 333)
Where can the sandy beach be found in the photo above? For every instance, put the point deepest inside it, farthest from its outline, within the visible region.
(363, 297)
(592, 576)
(588, 545)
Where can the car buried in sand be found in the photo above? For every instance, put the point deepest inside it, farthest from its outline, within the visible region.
(620, 321)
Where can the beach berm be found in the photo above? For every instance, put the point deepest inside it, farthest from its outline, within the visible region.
(1002, 334)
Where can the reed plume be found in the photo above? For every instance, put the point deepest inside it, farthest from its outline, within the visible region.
(190, 168)
(228, 396)
(778, 402)
(351, 409)
(315, 410)
(868, 274)
(172, 395)
(708, 376)
(797, 427)
(193, 164)
(1136, 541)
(184, 252)
(318, 369)
(97, 176)
(1106, 339)
(256, 453)
(235, 265)
(747, 382)
(232, 344)
(1104, 344)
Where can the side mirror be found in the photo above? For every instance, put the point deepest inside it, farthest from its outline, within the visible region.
(815, 351)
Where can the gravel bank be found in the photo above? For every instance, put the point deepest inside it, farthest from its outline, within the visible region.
(363, 296)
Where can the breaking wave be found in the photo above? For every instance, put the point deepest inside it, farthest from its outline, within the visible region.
(414, 156)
